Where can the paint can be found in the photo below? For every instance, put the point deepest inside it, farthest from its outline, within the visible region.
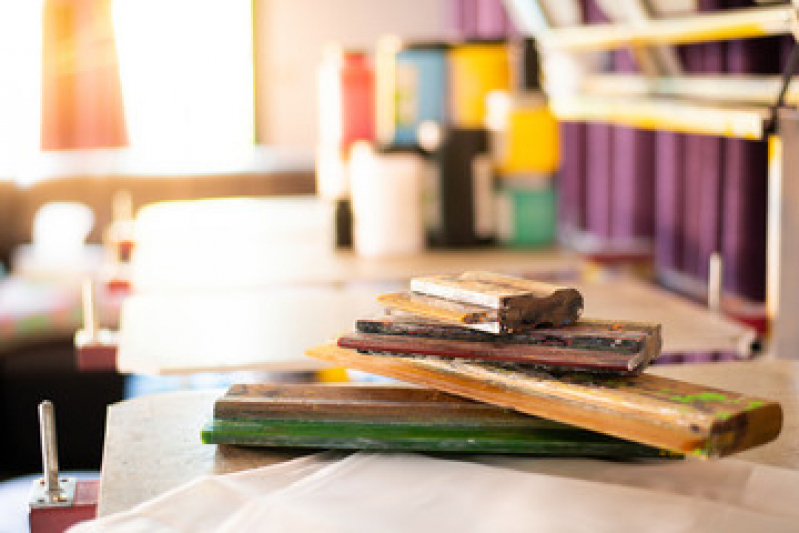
(421, 80)
(526, 211)
(476, 69)
(386, 201)
(346, 98)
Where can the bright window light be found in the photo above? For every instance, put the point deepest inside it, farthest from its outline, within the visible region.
(20, 83)
(187, 77)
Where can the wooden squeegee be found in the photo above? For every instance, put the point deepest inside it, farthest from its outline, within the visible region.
(652, 410)
(396, 418)
(490, 302)
(587, 345)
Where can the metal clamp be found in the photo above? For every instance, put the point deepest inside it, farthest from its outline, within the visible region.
(50, 490)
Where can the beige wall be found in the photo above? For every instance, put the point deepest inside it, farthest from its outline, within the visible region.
(292, 34)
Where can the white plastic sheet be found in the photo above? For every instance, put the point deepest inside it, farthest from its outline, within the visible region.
(366, 492)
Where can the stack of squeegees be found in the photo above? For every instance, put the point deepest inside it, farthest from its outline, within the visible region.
(500, 365)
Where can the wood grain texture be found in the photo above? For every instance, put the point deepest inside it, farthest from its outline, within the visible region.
(360, 403)
(487, 289)
(518, 301)
(660, 412)
(438, 308)
(599, 345)
(396, 418)
(541, 356)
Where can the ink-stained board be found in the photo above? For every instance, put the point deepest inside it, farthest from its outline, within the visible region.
(519, 301)
(469, 315)
(598, 345)
(396, 418)
(544, 357)
(656, 411)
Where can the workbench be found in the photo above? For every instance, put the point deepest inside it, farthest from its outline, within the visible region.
(153, 442)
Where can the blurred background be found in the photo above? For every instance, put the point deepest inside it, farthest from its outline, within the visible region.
(193, 156)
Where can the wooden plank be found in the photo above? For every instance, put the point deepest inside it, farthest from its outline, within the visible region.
(637, 342)
(396, 418)
(446, 439)
(751, 89)
(551, 353)
(489, 289)
(399, 323)
(649, 409)
(660, 113)
(701, 27)
(519, 301)
(439, 309)
(398, 403)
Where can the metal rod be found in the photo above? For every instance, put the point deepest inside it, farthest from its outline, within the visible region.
(47, 432)
(773, 230)
(89, 314)
(715, 282)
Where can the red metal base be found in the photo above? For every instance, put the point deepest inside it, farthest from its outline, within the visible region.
(58, 519)
(96, 357)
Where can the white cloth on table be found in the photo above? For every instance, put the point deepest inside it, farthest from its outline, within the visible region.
(369, 492)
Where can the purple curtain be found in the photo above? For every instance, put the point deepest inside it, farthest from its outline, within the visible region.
(692, 194)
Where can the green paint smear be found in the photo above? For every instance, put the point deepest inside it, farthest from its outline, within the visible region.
(418, 437)
(755, 405)
(723, 415)
(703, 397)
(700, 452)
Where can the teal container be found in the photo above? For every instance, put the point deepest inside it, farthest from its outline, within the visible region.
(526, 212)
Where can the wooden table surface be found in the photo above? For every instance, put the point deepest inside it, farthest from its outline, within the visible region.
(153, 442)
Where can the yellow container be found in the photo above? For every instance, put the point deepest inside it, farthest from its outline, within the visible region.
(524, 133)
(476, 69)
(332, 375)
